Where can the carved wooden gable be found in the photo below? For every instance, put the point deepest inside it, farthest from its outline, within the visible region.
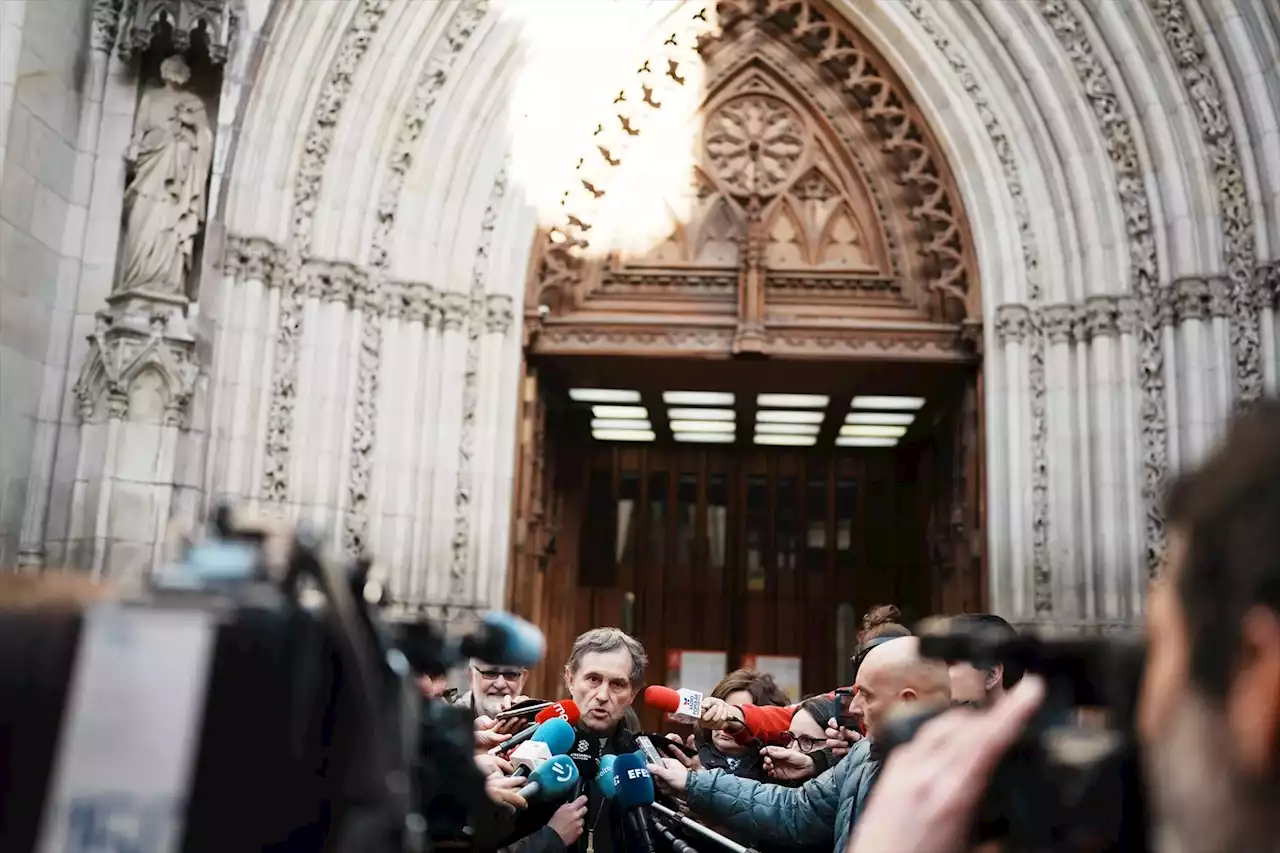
(798, 214)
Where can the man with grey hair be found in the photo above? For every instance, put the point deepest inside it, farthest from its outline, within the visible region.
(604, 674)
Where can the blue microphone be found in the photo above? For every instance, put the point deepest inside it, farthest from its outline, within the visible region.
(633, 790)
(504, 638)
(605, 777)
(552, 780)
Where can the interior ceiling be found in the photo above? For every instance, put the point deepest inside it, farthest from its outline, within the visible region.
(826, 426)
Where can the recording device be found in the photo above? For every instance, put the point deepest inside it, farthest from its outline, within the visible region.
(1072, 782)
(254, 679)
(554, 737)
(845, 717)
(660, 740)
(632, 791)
(524, 710)
(564, 710)
(682, 706)
(648, 750)
(552, 780)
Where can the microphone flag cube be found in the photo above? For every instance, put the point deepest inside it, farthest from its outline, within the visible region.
(531, 754)
(556, 777)
(690, 709)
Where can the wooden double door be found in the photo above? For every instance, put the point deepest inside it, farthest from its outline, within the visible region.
(750, 552)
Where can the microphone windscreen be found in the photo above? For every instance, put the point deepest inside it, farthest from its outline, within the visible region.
(565, 709)
(605, 777)
(662, 698)
(633, 786)
(556, 777)
(557, 735)
(504, 638)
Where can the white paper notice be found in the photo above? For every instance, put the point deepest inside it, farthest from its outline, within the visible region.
(784, 669)
(700, 671)
(130, 732)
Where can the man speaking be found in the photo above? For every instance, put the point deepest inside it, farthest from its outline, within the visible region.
(604, 673)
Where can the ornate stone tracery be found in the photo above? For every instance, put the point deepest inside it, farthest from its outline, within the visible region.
(774, 198)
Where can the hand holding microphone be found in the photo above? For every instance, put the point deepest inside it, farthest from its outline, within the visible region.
(565, 710)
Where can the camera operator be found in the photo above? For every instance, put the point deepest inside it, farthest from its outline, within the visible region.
(1209, 711)
(982, 687)
(824, 808)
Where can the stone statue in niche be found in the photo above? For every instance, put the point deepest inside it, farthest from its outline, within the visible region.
(169, 159)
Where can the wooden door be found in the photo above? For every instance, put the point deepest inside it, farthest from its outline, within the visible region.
(746, 552)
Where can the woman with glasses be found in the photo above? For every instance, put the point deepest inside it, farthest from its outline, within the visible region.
(801, 753)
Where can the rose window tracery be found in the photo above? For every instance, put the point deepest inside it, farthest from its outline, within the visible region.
(754, 145)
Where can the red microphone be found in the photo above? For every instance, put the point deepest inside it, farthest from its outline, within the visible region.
(682, 706)
(565, 709)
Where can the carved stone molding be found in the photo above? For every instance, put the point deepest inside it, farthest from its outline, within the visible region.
(421, 303)
(1013, 323)
(1190, 299)
(106, 24)
(786, 287)
(1128, 315)
(1102, 317)
(1235, 212)
(1059, 323)
(430, 81)
(1110, 113)
(667, 283)
(142, 24)
(477, 322)
(1267, 286)
(308, 182)
(499, 313)
(940, 343)
(333, 281)
(136, 335)
(454, 308)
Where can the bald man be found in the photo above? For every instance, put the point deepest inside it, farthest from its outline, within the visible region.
(825, 808)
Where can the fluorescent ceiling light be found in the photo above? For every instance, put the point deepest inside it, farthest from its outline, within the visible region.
(787, 440)
(777, 416)
(788, 429)
(866, 430)
(701, 414)
(622, 434)
(697, 398)
(620, 423)
(792, 401)
(908, 404)
(701, 426)
(705, 437)
(881, 418)
(863, 441)
(603, 395)
(619, 412)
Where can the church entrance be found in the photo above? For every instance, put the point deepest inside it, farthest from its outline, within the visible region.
(737, 438)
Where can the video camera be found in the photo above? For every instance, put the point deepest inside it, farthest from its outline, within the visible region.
(251, 697)
(1072, 782)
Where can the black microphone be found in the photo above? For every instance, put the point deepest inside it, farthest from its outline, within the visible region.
(633, 789)
(685, 822)
(586, 756)
(677, 844)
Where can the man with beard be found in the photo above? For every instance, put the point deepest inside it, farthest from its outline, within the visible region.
(1209, 711)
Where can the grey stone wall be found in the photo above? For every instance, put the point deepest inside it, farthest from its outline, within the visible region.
(43, 203)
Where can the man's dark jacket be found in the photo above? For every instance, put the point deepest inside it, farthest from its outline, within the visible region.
(536, 837)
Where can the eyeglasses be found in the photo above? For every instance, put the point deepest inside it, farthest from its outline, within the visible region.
(495, 674)
(804, 743)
